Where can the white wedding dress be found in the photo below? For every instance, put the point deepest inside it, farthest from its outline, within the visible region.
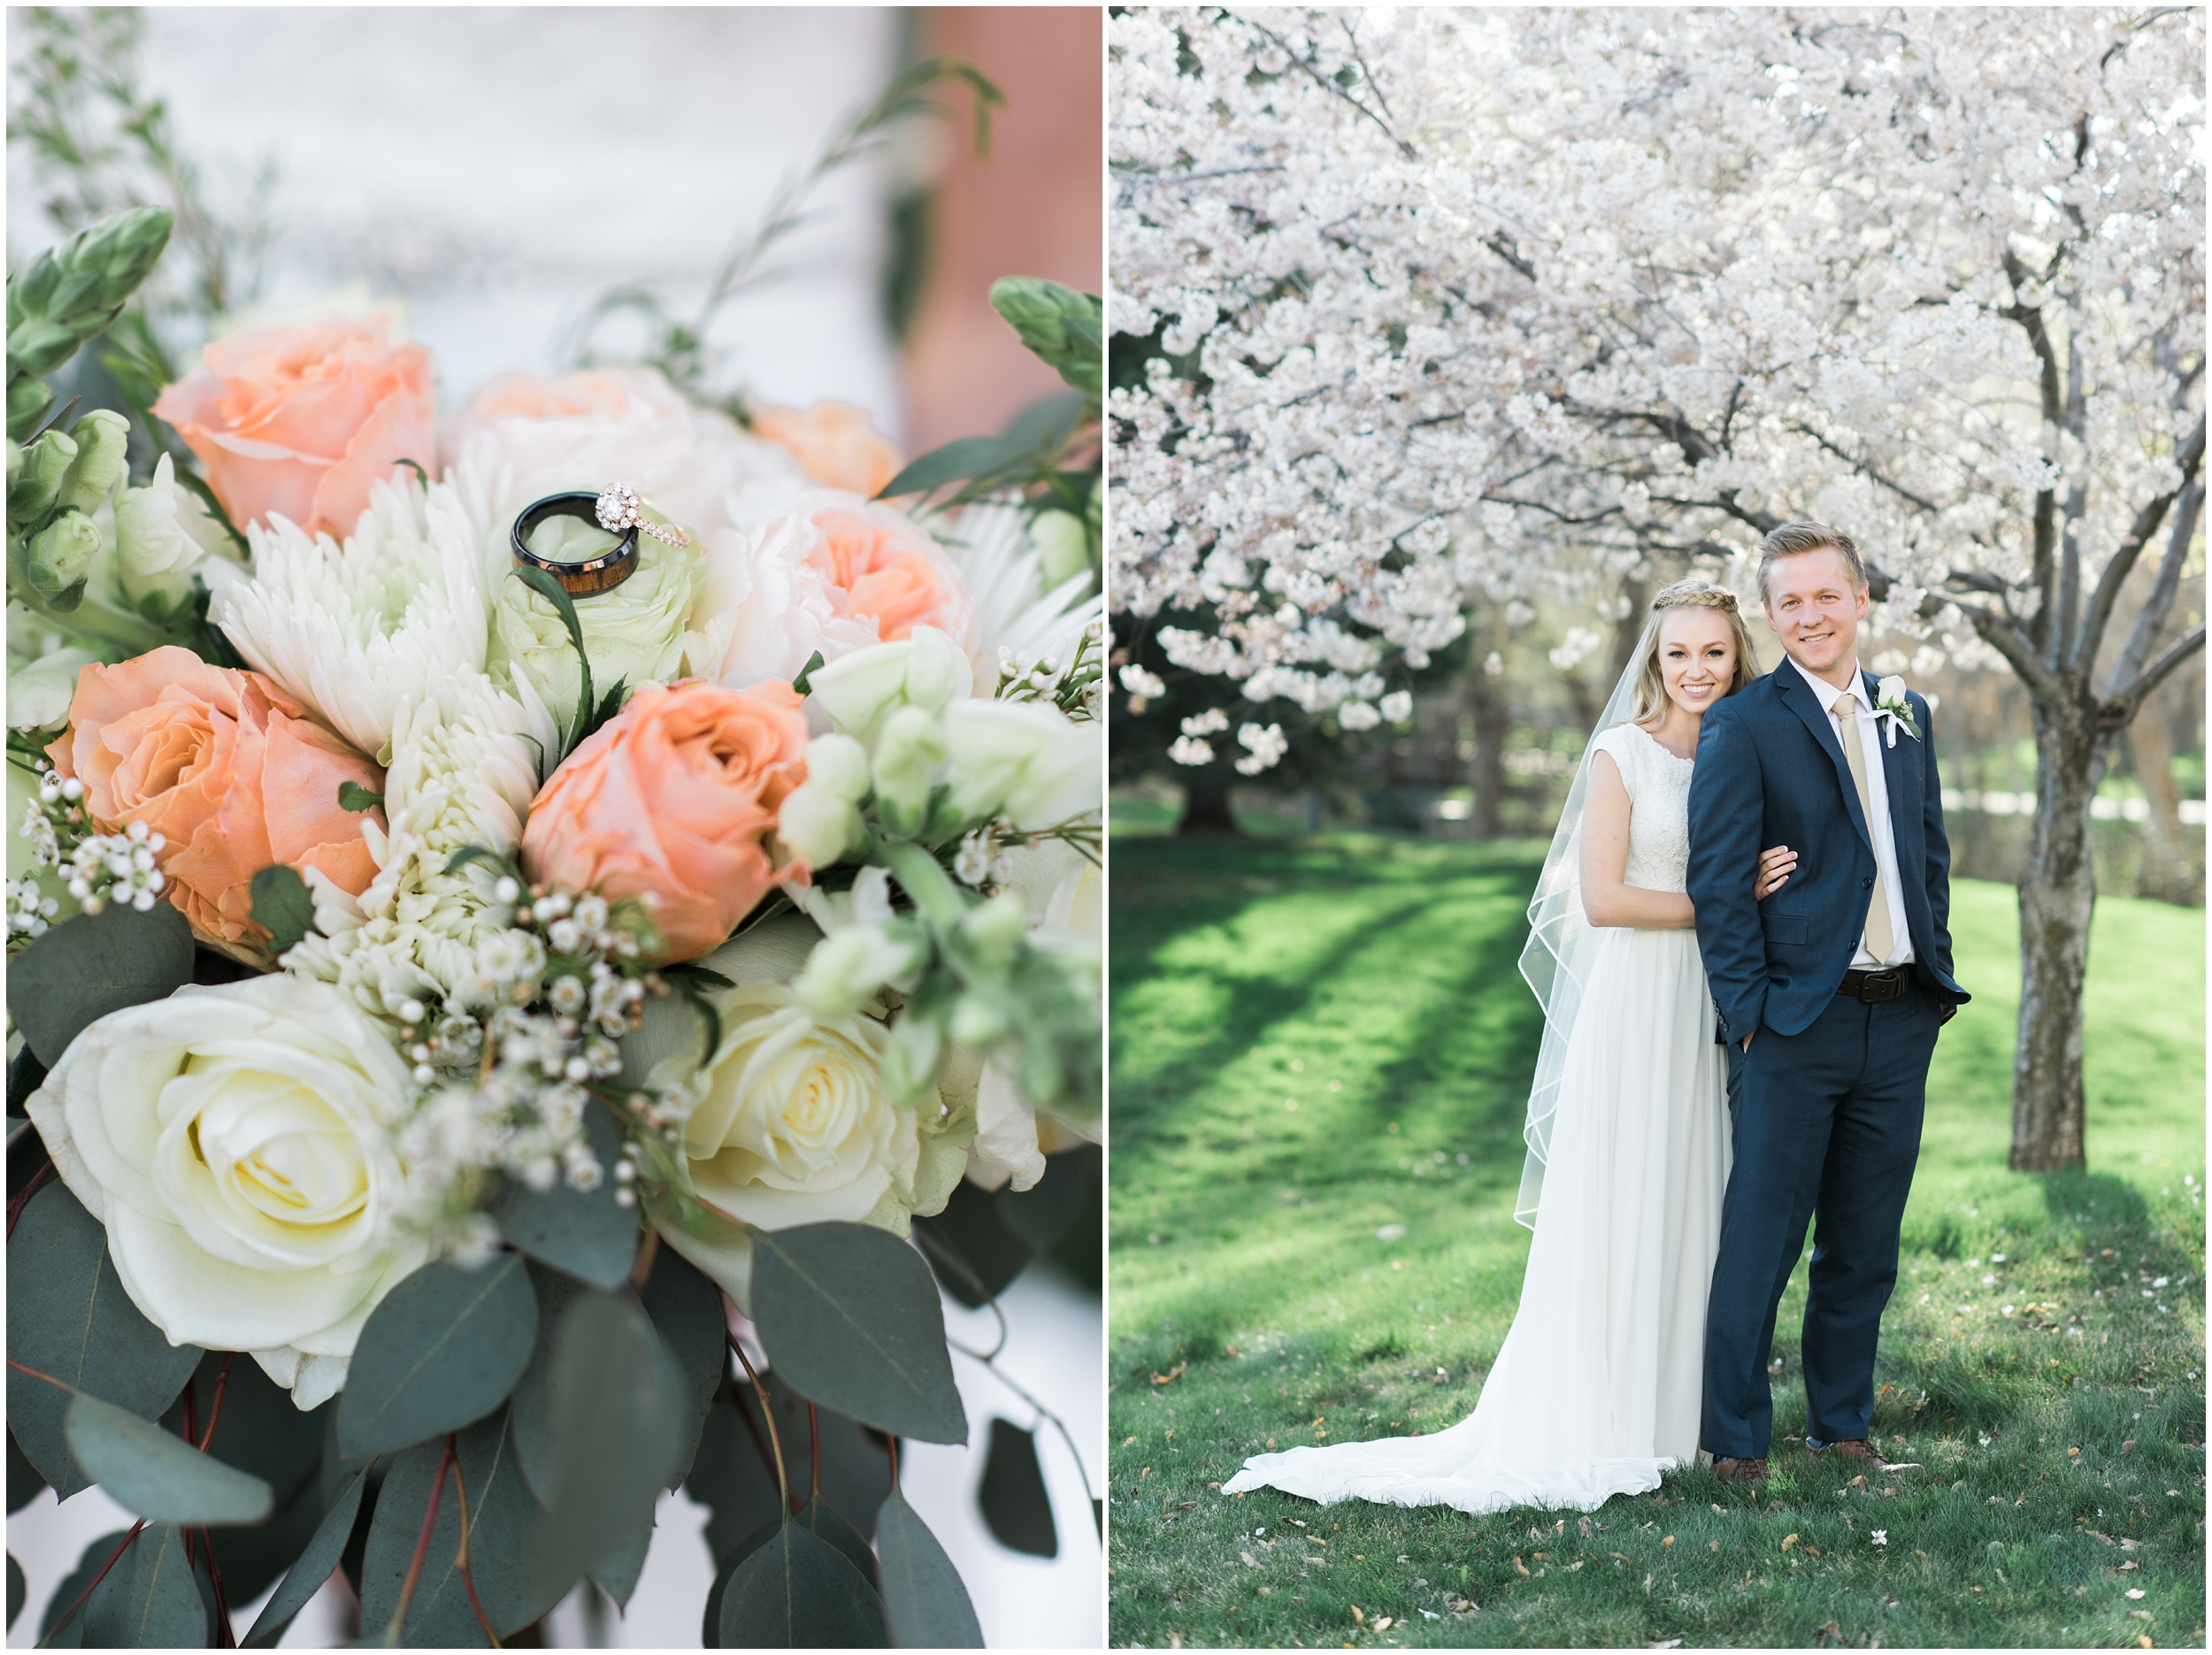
(1596, 1390)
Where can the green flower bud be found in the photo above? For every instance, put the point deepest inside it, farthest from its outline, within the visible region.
(26, 400)
(994, 929)
(31, 490)
(978, 1022)
(838, 765)
(910, 1059)
(1063, 546)
(103, 436)
(907, 756)
(61, 558)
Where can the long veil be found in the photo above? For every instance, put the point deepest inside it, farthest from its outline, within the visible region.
(1555, 961)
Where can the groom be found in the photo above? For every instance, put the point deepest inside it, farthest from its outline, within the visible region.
(1830, 993)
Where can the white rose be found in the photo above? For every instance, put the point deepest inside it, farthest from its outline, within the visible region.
(232, 1141)
(1889, 692)
(1024, 759)
(794, 1124)
(585, 431)
(162, 532)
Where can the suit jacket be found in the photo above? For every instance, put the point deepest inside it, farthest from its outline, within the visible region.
(1770, 771)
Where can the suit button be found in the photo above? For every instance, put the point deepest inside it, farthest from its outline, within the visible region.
(1866, 885)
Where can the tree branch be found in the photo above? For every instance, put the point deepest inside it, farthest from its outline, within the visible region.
(2031, 319)
(2091, 638)
(2160, 603)
(2016, 647)
(2121, 709)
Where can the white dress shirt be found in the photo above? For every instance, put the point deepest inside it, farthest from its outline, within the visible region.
(1869, 740)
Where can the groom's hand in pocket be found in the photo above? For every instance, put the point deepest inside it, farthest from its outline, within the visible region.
(1748, 1040)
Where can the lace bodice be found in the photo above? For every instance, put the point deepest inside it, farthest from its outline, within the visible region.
(1658, 788)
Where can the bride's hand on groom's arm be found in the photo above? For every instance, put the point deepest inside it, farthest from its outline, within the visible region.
(1776, 865)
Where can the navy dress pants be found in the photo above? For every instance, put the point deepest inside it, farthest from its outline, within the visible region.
(1826, 1125)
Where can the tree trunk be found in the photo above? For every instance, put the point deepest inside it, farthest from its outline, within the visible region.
(1206, 803)
(1491, 712)
(2058, 894)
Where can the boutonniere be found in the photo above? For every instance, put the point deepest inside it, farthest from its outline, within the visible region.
(1892, 707)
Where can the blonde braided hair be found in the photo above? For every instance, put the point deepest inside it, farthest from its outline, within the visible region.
(1698, 593)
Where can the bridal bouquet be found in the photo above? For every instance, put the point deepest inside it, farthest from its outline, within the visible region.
(452, 979)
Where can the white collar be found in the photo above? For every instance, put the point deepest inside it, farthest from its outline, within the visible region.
(1828, 692)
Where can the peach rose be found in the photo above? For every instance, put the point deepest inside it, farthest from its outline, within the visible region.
(228, 768)
(676, 795)
(299, 421)
(834, 444)
(835, 573)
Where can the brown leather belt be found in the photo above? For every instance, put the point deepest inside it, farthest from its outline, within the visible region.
(1874, 987)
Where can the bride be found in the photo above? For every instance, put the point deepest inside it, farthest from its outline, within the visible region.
(1597, 1387)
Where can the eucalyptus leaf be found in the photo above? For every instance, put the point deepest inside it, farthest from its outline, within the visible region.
(730, 1476)
(260, 1429)
(924, 1601)
(582, 1231)
(314, 1566)
(90, 1562)
(1012, 1492)
(849, 1316)
(148, 1599)
(822, 1519)
(87, 967)
(69, 1317)
(156, 1475)
(282, 906)
(501, 1519)
(616, 1574)
(531, 1407)
(687, 1313)
(619, 1406)
(18, 1589)
(24, 1480)
(442, 1350)
(798, 1591)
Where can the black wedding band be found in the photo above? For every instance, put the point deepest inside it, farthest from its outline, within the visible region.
(601, 573)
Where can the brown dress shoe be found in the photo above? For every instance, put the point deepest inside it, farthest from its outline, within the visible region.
(1751, 1473)
(1860, 1452)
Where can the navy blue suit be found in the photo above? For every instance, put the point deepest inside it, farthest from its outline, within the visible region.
(1827, 1106)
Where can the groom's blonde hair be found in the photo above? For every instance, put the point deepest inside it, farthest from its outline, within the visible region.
(1693, 593)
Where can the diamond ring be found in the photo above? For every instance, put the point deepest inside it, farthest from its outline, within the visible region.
(621, 510)
(602, 572)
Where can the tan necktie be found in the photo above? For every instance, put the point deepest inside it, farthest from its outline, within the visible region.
(1880, 939)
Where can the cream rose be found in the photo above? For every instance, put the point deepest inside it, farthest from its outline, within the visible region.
(232, 1141)
(633, 635)
(793, 1123)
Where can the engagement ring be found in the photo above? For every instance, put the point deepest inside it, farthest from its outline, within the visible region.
(602, 572)
(620, 509)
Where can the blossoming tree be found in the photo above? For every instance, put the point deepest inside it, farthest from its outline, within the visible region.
(1506, 301)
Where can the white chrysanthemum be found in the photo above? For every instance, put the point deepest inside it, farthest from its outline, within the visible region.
(359, 630)
(991, 545)
(463, 770)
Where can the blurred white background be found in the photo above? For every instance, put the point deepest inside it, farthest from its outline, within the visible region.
(494, 172)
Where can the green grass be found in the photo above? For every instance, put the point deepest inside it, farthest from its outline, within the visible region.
(1373, 980)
